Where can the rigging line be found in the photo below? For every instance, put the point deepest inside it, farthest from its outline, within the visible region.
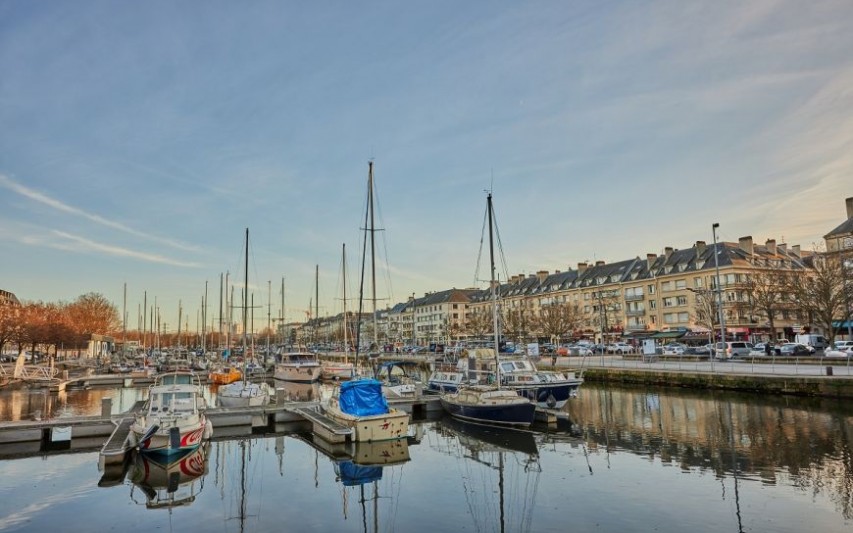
(480, 251)
(361, 284)
(377, 205)
(500, 243)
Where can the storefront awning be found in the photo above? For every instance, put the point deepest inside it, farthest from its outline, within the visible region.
(669, 335)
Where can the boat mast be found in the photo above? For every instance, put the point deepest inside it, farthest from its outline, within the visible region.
(344, 282)
(245, 302)
(372, 252)
(316, 304)
(494, 292)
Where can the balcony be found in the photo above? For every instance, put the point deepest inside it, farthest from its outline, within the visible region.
(636, 312)
(634, 297)
(635, 327)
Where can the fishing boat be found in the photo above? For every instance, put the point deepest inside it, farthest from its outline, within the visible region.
(299, 367)
(360, 405)
(400, 379)
(172, 420)
(244, 393)
(490, 404)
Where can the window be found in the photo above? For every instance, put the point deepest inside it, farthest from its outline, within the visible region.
(697, 282)
(683, 317)
(681, 300)
(681, 284)
(651, 289)
(666, 286)
(670, 318)
(653, 304)
(669, 302)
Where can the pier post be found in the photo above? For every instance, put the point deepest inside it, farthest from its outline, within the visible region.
(106, 407)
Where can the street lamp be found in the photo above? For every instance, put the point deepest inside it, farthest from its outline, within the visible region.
(714, 227)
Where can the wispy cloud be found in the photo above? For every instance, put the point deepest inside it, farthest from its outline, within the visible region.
(75, 243)
(7, 182)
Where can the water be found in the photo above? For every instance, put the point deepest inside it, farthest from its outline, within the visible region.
(631, 460)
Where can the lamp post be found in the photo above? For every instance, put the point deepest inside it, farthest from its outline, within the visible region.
(714, 227)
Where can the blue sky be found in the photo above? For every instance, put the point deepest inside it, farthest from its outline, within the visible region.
(139, 140)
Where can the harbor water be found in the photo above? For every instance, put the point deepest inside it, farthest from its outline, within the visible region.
(629, 459)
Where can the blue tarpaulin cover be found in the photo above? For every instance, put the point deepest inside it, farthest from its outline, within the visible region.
(353, 474)
(362, 397)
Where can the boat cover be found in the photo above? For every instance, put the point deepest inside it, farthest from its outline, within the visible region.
(362, 397)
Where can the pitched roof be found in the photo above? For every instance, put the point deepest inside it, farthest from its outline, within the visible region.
(842, 229)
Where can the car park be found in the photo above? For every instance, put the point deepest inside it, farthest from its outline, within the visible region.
(844, 352)
(619, 348)
(674, 348)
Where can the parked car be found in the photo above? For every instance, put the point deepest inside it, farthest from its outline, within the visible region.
(731, 349)
(619, 348)
(674, 348)
(842, 345)
(794, 349)
(843, 352)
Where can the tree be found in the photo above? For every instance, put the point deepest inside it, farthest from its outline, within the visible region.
(9, 323)
(93, 313)
(822, 292)
(558, 319)
(518, 322)
(481, 322)
(706, 311)
(606, 310)
(766, 294)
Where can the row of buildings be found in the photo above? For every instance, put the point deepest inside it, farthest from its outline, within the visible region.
(671, 294)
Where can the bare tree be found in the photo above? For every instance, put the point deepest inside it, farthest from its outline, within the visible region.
(767, 293)
(92, 313)
(558, 320)
(822, 292)
(518, 322)
(606, 311)
(481, 323)
(9, 323)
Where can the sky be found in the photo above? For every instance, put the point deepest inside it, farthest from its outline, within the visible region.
(139, 140)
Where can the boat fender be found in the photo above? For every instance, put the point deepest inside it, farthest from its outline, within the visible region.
(208, 430)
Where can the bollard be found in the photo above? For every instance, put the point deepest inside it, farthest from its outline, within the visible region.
(106, 407)
(829, 371)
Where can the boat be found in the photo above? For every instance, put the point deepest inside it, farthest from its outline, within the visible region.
(360, 405)
(225, 375)
(170, 484)
(244, 393)
(547, 389)
(400, 379)
(172, 420)
(299, 367)
(490, 403)
(341, 370)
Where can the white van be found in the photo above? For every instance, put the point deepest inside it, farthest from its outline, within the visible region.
(732, 349)
(818, 342)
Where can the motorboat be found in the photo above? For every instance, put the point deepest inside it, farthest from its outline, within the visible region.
(489, 404)
(301, 367)
(172, 420)
(359, 404)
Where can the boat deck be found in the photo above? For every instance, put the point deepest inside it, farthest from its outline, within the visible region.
(325, 427)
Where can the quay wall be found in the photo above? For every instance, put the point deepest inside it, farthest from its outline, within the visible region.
(823, 386)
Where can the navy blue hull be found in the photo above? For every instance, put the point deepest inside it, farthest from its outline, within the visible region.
(507, 415)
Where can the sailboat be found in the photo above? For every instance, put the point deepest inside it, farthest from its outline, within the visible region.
(244, 393)
(360, 404)
(338, 370)
(490, 404)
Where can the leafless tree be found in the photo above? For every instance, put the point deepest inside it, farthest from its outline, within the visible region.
(558, 320)
(767, 294)
(822, 292)
(518, 322)
(481, 322)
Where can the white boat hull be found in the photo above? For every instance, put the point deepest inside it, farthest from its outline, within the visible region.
(299, 373)
(241, 394)
(387, 426)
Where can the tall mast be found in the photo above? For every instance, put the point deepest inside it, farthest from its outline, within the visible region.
(221, 277)
(145, 320)
(282, 310)
(494, 290)
(245, 302)
(344, 282)
(372, 251)
(124, 322)
(269, 319)
(316, 302)
(204, 321)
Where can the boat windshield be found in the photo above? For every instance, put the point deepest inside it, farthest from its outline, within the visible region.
(172, 401)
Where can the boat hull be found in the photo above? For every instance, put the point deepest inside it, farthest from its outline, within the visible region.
(552, 396)
(387, 426)
(170, 441)
(337, 371)
(298, 373)
(243, 395)
(520, 414)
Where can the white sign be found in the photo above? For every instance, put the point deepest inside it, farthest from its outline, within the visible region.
(649, 346)
(533, 349)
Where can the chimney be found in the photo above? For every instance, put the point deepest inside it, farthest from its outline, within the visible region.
(542, 274)
(650, 260)
(783, 248)
(700, 249)
(582, 268)
(599, 263)
(795, 250)
(849, 203)
(667, 251)
(745, 244)
(771, 246)
(556, 272)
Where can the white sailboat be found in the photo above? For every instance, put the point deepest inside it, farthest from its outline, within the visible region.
(244, 393)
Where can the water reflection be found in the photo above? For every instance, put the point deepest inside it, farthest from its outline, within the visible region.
(800, 442)
(166, 485)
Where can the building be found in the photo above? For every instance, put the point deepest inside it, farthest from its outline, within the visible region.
(8, 297)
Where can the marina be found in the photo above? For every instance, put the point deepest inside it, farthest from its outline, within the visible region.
(718, 461)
